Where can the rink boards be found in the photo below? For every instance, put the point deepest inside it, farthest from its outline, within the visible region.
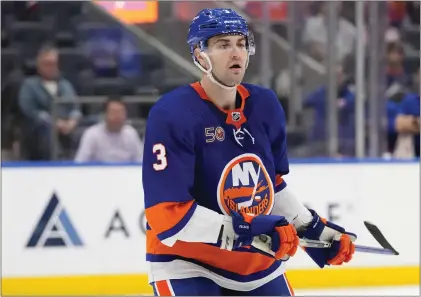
(79, 230)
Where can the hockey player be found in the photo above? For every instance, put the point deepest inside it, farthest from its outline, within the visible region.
(214, 161)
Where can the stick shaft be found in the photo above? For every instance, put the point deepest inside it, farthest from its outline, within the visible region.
(264, 243)
(358, 248)
(373, 250)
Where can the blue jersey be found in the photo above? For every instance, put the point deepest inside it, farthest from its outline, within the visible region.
(198, 154)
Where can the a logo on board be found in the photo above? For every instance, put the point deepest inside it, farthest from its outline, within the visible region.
(54, 228)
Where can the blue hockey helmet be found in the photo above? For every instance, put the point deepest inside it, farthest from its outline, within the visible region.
(218, 21)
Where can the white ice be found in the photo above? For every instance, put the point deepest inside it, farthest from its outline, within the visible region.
(368, 291)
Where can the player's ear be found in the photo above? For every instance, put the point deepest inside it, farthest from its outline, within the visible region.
(200, 58)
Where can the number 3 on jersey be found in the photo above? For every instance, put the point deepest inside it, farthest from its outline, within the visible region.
(162, 163)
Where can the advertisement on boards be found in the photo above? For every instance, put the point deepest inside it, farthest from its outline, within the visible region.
(132, 12)
(64, 221)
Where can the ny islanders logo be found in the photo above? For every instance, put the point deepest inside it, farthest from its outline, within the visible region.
(245, 186)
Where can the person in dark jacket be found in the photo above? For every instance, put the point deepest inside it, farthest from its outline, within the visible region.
(36, 100)
(345, 104)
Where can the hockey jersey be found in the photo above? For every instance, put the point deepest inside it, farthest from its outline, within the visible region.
(197, 154)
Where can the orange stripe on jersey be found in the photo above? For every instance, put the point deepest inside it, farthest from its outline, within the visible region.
(198, 88)
(242, 263)
(165, 215)
(244, 93)
(278, 180)
(162, 288)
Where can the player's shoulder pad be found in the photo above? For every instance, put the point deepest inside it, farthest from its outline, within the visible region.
(266, 99)
(179, 104)
(262, 94)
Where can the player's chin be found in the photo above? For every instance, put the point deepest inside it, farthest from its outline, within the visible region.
(234, 80)
(232, 83)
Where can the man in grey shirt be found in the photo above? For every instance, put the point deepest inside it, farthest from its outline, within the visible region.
(112, 140)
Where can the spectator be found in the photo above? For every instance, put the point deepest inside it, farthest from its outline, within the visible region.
(346, 103)
(396, 73)
(396, 12)
(391, 35)
(112, 140)
(393, 106)
(408, 124)
(36, 98)
(315, 35)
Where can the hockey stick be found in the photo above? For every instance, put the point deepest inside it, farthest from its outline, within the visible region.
(264, 243)
(358, 248)
(378, 235)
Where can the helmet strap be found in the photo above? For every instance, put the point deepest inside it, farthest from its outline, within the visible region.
(209, 74)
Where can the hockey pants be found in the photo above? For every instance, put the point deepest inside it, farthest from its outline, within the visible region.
(200, 286)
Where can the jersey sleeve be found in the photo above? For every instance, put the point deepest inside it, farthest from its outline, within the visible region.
(168, 175)
(286, 203)
(410, 105)
(277, 135)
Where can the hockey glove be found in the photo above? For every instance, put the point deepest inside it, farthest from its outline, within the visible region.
(283, 235)
(342, 247)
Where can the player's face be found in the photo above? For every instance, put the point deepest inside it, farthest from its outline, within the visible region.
(228, 55)
(48, 64)
(116, 115)
(340, 74)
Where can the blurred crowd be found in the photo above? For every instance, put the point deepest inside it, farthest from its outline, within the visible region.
(54, 50)
(401, 76)
(67, 71)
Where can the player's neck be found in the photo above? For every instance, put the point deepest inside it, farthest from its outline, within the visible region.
(224, 99)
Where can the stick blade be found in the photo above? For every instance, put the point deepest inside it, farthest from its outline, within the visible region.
(378, 235)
